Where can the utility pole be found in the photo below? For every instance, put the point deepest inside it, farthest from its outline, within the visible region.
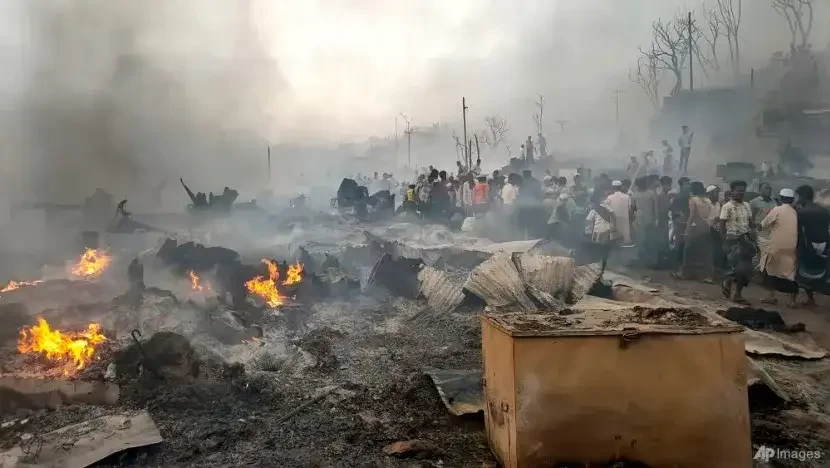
(269, 166)
(464, 116)
(562, 125)
(408, 131)
(691, 55)
(396, 140)
(617, 105)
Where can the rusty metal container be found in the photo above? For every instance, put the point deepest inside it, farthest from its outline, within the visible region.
(663, 395)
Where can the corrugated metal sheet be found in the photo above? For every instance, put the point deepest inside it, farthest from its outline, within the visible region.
(499, 284)
(443, 292)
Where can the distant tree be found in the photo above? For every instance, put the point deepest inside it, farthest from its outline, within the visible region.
(799, 17)
(670, 48)
(496, 130)
(647, 76)
(731, 12)
(459, 146)
(711, 32)
(539, 115)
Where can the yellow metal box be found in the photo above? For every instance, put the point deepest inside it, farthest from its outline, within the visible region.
(665, 395)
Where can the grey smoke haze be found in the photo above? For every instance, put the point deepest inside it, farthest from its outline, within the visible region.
(123, 94)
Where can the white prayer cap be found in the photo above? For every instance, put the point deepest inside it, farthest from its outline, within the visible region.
(787, 193)
(616, 183)
(711, 188)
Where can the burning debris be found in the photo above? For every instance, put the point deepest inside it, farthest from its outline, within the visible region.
(72, 351)
(293, 274)
(13, 285)
(196, 283)
(92, 264)
(267, 288)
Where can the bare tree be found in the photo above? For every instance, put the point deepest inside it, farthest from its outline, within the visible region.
(799, 17)
(692, 32)
(711, 32)
(496, 130)
(539, 115)
(483, 136)
(460, 147)
(670, 48)
(731, 12)
(647, 76)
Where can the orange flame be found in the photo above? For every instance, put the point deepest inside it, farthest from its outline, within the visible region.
(19, 284)
(294, 274)
(196, 282)
(266, 288)
(91, 264)
(72, 349)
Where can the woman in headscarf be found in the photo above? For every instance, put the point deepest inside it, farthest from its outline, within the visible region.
(697, 256)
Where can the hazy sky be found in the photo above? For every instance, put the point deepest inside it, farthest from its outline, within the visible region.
(353, 65)
(131, 92)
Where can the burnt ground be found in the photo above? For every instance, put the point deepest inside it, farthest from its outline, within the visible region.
(366, 355)
(373, 349)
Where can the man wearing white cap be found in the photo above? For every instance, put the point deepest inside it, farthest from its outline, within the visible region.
(620, 204)
(777, 260)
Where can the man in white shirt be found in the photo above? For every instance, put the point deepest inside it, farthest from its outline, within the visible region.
(620, 204)
(381, 185)
(685, 143)
(510, 192)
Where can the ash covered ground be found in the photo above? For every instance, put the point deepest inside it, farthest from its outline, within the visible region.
(330, 378)
(229, 401)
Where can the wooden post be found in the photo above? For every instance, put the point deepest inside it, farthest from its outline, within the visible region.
(464, 117)
(691, 55)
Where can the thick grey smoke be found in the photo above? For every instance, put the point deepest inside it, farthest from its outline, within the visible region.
(123, 95)
(126, 96)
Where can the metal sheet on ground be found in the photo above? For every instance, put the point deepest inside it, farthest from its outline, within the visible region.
(461, 390)
(83, 444)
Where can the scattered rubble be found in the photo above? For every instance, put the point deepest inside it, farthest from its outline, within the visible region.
(83, 444)
(337, 375)
(415, 448)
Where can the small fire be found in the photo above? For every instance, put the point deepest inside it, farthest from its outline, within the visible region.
(91, 264)
(196, 282)
(266, 288)
(72, 349)
(19, 284)
(294, 274)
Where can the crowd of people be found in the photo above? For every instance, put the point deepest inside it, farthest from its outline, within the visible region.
(693, 229)
(701, 234)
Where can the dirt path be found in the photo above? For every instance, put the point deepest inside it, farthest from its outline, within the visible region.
(816, 319)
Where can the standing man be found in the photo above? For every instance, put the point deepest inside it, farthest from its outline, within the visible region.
(620, 204)
(718, 256)
(813, 243)
(737, 230)
(645, 223)
(777, 258)
(685, 143)
(529, 150)
(663, 214)
(543, 146)
(762, 204)
(668, 158)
